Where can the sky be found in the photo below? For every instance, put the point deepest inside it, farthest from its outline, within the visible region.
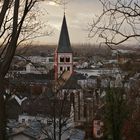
(79, 14)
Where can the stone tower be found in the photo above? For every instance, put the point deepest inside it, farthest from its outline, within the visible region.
(63, 53)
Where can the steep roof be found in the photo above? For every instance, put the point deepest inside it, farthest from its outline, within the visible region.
(71, 83)
(64, 45)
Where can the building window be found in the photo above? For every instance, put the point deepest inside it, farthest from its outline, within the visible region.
(85, 111)
(99, 132)
(61, 59)
(23, 120)
(29, 120)
(68, 68)
(61, 68)
(67, 59)
(49, 122)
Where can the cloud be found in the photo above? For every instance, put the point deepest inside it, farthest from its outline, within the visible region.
(78, 15)
(51, 3)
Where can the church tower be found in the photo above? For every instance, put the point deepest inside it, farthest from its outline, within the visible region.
(63, 53)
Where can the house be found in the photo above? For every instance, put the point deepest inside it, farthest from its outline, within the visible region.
(13, 108)
(77, 134)
(98, 128)
(21, 136)
(92, 81)
(23, 131)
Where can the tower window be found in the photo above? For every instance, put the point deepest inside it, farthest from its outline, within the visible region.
(67, 59)
(68, 68)
(61, 68)
(61, 59)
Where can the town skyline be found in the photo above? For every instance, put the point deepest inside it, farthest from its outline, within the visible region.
(62, 86)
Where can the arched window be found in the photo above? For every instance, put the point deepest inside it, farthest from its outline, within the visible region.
(67, 59)
(61, 59)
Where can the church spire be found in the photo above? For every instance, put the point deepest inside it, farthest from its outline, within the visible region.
(63, 53)
(64, 45)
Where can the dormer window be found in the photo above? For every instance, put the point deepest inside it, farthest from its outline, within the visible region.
(61, 59)
(67, 59)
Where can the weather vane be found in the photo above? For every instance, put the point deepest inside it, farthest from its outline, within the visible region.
(64, 3)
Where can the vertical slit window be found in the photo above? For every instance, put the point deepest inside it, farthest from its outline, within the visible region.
(68, 68)
(61, 68)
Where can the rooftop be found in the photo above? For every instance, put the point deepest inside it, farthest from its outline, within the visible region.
(64, 45)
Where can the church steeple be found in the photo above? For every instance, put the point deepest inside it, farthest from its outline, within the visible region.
(63, 53)
(64, 45)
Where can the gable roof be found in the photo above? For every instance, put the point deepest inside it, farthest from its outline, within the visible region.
(64, 45)
(71, 83)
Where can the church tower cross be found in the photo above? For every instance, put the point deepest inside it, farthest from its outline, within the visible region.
(64, 3)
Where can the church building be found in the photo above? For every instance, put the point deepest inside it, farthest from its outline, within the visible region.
(64, 70)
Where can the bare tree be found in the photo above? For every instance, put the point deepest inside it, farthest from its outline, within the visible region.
(60, 116)
(13, 14)
(56, 106)
(118, 22)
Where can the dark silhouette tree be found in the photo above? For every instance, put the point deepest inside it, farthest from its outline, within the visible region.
(115, 113)
(13, 14)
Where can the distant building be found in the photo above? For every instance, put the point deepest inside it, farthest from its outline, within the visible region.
(21, 136)
(98, 128)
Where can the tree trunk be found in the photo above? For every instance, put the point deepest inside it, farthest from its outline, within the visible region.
(11, 46)
(60, 129)
(3, 11)
(54, 121)
(2, 114)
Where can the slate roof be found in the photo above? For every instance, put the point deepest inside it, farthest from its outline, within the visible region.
(79, 76)
(77, 134)
(32, 132)
(31, 77)
(92, 77)
(71, 83)
(64, 45)
(44, 105)
(13, 109)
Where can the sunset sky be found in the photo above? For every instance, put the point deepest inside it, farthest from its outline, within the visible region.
(78, 14)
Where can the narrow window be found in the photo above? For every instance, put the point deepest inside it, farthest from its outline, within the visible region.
(61, 59)
(61, 68)
(68, 68)
(67, 59)
(85, 111)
